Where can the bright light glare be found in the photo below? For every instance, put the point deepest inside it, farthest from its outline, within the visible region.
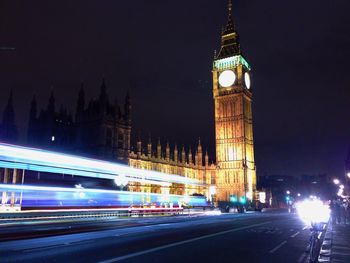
(336, 181)
(348, 174)
(313, 211)
(227, 78)
(340, 192)
(247, 80)
(299, 194)
(341, 186)
(288, 192)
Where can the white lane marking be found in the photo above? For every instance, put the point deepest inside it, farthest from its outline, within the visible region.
(305, 227)
(278, 247)
(120, 258)
(294, 235)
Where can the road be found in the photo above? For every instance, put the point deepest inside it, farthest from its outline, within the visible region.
(255, 237)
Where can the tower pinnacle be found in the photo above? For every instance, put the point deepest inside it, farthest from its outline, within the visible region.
(229, 37)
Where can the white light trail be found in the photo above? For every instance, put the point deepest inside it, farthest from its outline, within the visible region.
(12, 156)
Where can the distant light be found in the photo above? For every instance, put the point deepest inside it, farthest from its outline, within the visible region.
(287, 198)
(299, 194)
(243, 200)
(233, 199)
(340, 192)
(262, 197)
(288, 192)
(53, 138)
(336, 181)
(212, 190)
(348, 174)
(341, 186)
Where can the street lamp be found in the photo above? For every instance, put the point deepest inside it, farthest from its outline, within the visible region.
(336, 181)
(341, 186)
(348, 174)
(299, 194)
(288, 192)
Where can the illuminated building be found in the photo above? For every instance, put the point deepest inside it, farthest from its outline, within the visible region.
(174, 162)
(101, 129)
(236, 171)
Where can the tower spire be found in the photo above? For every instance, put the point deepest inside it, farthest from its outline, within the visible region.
(229, 37)
(229, 7)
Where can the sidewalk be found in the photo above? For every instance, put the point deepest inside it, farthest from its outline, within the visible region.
(340, 251)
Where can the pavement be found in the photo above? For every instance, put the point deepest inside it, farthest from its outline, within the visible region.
(340, 243)
(255, 237)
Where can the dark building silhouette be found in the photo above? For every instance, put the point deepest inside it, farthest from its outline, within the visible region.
(8, 128)
(100, 128)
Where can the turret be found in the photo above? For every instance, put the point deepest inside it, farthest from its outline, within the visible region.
(139, 147)
(103, 98)
(51, 104)
(199, 160)
(206, 158)
(127, 108)
(159, 150)
(183, 155)
(176, 153)
(8, 129)
(167, 152)
(33, 110)
(80, 104)
(149, 148)
(190, 160)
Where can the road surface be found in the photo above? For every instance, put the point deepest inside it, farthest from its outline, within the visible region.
(255, 237)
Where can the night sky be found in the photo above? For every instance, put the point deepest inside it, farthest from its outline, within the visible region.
(162, 52)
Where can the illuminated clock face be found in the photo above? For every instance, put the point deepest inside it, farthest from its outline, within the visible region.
(227, 78)
(247, 80)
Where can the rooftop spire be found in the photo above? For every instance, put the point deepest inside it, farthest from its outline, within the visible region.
(229, 37)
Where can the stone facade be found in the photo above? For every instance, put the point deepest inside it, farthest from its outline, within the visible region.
(100, 128)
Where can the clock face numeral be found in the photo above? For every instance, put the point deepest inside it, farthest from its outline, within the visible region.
(227, 78)
(247, 80)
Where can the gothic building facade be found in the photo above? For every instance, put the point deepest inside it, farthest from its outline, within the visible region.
(102, 129)
(234, 174)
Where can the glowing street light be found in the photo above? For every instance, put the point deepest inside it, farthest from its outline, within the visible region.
(288, 192)
(348, 174)
(299, 194)
(336, 181)
(341, 186)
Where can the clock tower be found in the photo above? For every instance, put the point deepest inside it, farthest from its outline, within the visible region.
(236, 171)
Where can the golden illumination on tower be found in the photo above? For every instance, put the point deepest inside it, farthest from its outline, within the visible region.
(236, 173)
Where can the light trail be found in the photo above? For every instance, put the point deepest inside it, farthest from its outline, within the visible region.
(12, 156)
